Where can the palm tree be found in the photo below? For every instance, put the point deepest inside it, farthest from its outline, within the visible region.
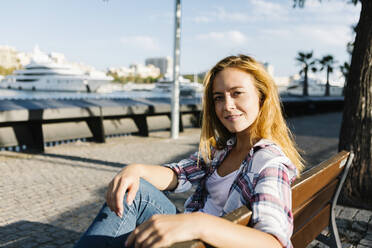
(327, 62)
(345, 69)
(305, 60)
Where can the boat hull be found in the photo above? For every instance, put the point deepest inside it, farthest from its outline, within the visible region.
(55, 85)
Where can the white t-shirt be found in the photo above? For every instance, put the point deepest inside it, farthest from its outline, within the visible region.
(218, 190)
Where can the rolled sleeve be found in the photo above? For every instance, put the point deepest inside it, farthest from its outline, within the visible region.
(272, 202)
(188, 172)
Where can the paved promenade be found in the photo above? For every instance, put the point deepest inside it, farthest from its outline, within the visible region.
(48, 200)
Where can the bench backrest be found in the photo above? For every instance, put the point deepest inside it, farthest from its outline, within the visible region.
(314, 195)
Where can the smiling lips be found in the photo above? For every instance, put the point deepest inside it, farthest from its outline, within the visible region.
(232, 117)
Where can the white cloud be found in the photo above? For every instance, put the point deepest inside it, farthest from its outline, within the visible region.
(202, 19)
(224, 15)
(265, 9)
(335, 35)
(259, 11)
(234, 37)
(336, 12)
(167, 17)
(327, 6)
(278, 32)
(141, 41)
(237, 37)
(220, 14)
(331, 35)
(256, 10)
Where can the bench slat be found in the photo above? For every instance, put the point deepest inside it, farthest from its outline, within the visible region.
(312, 229)
(314, 205)
(240, 216)
(317, 178)
(190, 244)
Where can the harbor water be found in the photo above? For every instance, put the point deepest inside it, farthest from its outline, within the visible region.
(6, 94)
(10, 94)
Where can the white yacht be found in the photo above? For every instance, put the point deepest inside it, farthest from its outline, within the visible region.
(51, 76)
(187, 88)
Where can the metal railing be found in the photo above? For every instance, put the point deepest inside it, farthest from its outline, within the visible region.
(29, 124)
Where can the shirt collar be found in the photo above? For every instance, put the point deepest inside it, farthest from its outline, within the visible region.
(260, 144)
(231, 142)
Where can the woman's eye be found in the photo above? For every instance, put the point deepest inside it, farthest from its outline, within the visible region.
(237, 93)
(217, 98)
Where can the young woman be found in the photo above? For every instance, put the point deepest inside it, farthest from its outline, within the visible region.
(246, 157)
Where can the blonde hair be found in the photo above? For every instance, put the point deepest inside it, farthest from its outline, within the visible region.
(269, 124)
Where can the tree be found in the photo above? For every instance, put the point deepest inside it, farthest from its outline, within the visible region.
(356, 127)
(6, 71)
(305, 60)
(327, 62)
(345, 69)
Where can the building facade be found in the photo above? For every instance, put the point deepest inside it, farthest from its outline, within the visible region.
(140, 70)
(8, 57)
(165, 64)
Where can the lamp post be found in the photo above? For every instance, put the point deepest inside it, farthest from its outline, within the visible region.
(175, 115)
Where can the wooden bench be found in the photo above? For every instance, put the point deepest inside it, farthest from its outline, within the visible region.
(314, 197)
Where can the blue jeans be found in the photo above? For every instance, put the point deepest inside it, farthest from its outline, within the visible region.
(109, 230)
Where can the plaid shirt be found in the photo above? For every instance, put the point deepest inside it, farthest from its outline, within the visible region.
(263, 184)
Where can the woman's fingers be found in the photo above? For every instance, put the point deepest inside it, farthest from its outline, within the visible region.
(152, 233)
(131, 238)
(118, 196)
(124, 181)
(132, 191)
(115, 194)
(134, 235)
(108, 195)
(144, 233)
(153, 240)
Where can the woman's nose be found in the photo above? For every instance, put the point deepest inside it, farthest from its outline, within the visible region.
(229, 103)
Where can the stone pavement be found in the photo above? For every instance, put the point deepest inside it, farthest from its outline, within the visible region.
(48, 200)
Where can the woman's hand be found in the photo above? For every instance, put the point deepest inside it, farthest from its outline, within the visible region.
(127, 180)
(164, 230)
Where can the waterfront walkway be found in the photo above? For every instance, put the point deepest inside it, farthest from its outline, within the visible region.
(47, 200)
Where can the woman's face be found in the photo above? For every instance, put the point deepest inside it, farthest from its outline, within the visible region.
(236, 99)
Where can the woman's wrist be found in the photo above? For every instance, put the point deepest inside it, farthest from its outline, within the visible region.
(199, 221)
(138, 169)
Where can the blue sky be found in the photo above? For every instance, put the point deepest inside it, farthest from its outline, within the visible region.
(120, 32)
